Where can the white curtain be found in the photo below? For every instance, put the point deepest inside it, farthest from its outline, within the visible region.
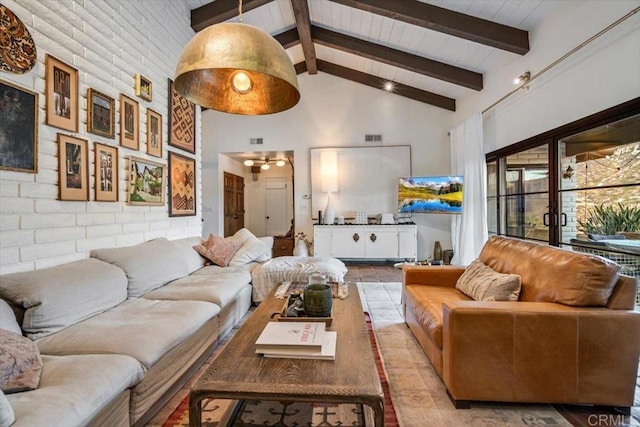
(469, 230)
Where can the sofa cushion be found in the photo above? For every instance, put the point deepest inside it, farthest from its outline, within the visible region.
(216, 269)
(74, 389)
(551, 274)
(20, 363)
(194, 260)
(141, 328)
(8, 320)
(425, 302)
(251, 249)
(58, 297)
(221, 288)
(218, 250)
(148, 265)
(483, 284)
(7, 417)
(268, 242)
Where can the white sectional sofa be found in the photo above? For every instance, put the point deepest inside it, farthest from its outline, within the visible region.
(120, 332)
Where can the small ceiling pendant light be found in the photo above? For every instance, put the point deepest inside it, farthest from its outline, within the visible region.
(248, 162)
(280, 163)
(265, 167)
(237, 68)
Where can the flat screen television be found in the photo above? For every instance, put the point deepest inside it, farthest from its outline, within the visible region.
(430, 194)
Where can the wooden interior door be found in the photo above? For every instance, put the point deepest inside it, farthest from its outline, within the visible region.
(233, 203)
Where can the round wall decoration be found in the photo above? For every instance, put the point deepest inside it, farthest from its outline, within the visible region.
(18, 53)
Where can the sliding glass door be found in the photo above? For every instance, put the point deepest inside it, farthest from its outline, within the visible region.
(573, 185)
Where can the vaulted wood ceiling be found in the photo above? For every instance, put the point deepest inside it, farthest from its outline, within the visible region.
(358, 39)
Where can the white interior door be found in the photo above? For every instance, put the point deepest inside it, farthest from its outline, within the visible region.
(276, 206)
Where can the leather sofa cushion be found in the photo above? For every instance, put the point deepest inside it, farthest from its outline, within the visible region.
(148, 265)
(58, 297)
(141, 328)
(551, 274)
(425, 302)
(73, 389)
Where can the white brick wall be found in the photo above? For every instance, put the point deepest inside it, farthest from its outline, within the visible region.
(107, 41)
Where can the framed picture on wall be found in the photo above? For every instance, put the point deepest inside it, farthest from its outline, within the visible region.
(100, 113)
(182, 121)
(146, 182)
(61, 89)
(129, 123)
(106, 158)
(19, 119)
(182, 185)
(143, 87)
(154, 133)
(73, 168)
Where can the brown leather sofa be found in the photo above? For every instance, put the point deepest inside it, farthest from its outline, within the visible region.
(572, 337)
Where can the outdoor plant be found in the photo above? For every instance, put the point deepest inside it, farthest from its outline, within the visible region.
(611, 219)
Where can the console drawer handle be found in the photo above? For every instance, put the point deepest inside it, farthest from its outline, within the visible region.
(372, 237)
(356, 237)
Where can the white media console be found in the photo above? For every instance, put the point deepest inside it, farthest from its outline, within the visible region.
(377, 242)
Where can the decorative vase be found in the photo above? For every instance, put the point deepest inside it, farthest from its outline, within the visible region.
(318, 300)
(301, 248)
(447, 254)
(437, 251)
(317, 297)
(329, 212)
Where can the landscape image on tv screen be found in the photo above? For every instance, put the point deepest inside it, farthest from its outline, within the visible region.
(430, 194)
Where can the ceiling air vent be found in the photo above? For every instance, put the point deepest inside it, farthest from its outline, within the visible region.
(254, 141)
(373, 138)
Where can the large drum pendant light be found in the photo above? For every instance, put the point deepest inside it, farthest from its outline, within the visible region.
(237, 68)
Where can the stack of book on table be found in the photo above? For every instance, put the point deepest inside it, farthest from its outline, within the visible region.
(297, 340)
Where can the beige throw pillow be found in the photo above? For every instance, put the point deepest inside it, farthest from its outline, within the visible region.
(20, 363)
(250, 250)
(218, 249)
(484, 284)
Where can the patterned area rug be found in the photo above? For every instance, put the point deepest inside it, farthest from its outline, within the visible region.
(217, 412)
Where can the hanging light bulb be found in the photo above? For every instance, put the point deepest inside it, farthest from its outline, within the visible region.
(248, 162)
(241, 82)
(280, 163)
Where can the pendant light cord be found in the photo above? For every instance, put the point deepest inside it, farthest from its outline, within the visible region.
(240, 10)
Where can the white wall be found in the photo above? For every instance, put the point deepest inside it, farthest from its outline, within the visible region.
(602, 74)
(108, 42)
(335, 112)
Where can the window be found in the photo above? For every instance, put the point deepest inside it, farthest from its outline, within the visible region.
(577, 186)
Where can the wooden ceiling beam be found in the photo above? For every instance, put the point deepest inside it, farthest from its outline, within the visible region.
(379, 83)
(220, 11)
(447, 21)
(397, 58)
(303, 22)
(301, 67)
(288, 38)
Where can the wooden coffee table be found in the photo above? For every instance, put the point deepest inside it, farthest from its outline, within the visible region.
(239, 373)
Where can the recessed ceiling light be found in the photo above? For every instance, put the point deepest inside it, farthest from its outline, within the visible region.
(248, 162)
(388, 86)
(280, 163)
(265, 167)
